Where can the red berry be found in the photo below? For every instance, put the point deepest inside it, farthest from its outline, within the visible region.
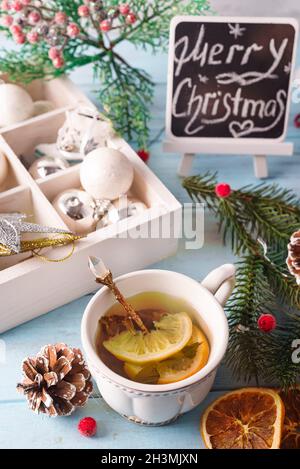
(83, 11)
(223, 190)
(32, 37)
(15, 29)
(20, 38)
(17, 5)
(143, 154)
(60, 17)
(124, 9)
(266, 322)
(58, 62)
(34, 17)
(7, 20)
(131, 18)
(53, 53)
(87, 426)
(73, 30)
(5, 6)
(105, 25)
(297, 121)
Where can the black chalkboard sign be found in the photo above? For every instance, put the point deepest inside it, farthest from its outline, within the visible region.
(230, 77)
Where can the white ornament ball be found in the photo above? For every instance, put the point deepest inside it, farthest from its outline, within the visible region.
(106, 173)
(3, 168)
(15, 103)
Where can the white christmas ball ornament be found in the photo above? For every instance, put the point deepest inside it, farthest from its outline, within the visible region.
(15, 103)
(106, 173)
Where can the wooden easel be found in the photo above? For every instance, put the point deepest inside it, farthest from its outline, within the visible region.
(259, 151)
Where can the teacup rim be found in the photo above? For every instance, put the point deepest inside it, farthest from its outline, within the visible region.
(104, 370)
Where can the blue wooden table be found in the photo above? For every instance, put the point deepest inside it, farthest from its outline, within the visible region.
(21, 428)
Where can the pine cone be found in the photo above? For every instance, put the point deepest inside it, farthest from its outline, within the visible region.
(293, 260)
(56, 381)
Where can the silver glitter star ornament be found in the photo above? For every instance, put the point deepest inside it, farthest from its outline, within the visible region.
(12, 225)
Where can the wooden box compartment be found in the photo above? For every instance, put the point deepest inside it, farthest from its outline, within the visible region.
(30, 286)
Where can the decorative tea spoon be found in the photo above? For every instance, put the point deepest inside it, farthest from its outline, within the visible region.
(104, 276)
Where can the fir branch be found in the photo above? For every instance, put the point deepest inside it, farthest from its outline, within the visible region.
(258, 220)
(252, 353)
(250, 298)
(264, 211)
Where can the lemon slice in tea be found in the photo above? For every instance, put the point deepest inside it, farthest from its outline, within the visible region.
(192, 359)
(183, 364)
(170, 335)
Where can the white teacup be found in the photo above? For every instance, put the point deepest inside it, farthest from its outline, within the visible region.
(153, 404)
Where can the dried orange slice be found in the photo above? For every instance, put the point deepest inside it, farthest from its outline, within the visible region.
(249, 418)
(291, 426)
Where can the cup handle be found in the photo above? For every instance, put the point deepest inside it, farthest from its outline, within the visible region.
(220, 282)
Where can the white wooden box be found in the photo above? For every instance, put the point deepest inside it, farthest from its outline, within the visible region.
(29, 286)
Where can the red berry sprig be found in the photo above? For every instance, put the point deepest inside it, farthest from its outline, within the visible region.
(267, 322)
(32, 21)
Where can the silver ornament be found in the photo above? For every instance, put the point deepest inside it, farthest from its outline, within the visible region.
(12, 226)
(100, 208)
(83, 131)
(75, 207)
(120, 210)
(47, 165)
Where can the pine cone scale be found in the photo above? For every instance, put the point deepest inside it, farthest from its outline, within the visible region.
(80, 399)
(29, 370)
(80, 369)
(64, 407)
(42, 365)
(51, 378)
(62, 367)
(78, 380)
(46, 398)
(34, 398)
(50, 352)
(64, 390)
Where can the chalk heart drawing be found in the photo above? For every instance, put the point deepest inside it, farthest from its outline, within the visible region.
(237, 129)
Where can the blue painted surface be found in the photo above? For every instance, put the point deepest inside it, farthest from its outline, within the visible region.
(19, 427)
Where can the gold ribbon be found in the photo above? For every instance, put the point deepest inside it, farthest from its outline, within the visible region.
(36, 245)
